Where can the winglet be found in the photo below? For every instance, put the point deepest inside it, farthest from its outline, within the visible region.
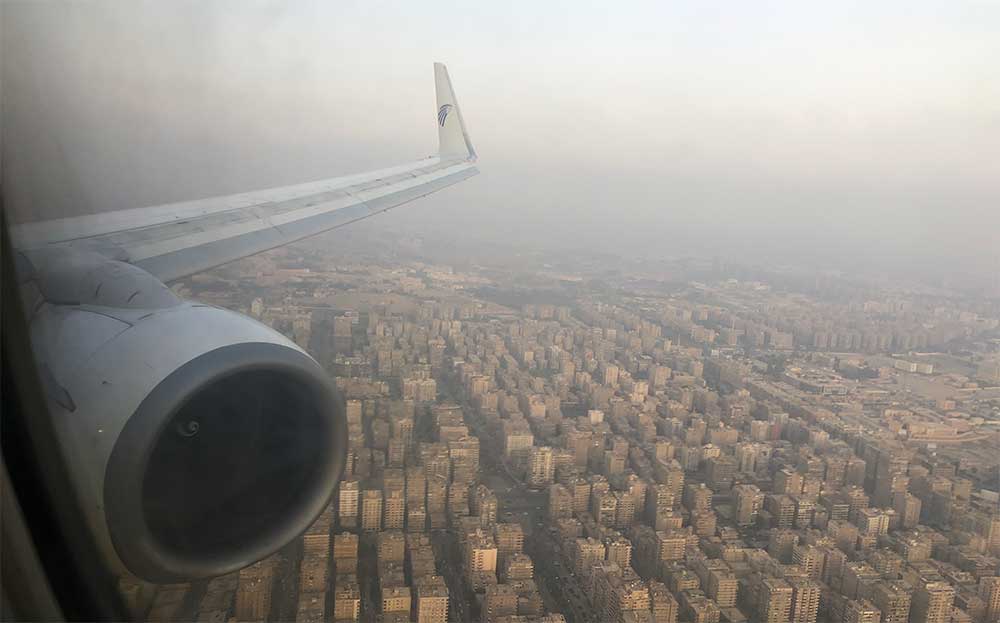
(453, 139)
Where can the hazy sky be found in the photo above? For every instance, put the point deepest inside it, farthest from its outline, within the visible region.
(853, 131)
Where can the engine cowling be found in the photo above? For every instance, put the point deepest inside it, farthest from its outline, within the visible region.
(200, 440)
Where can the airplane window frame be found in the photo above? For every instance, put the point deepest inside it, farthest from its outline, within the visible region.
(82, 587)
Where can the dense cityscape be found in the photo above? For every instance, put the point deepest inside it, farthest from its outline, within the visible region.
(535, 442)
(519, 312)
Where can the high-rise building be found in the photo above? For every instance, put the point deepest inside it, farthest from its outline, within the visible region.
(518, 441)
(781, 507)
(458, 501)
(774, 601)
(618, 550)
(393, 478)
(311, 607)
(704, 522)
(858, 578)
(419, 557)
(931, 602)
(500, 601)
(834, 561)
(560, 502)
(578, 442)
(662, 604)
(781, 544)
(345, 548)
(907, 507)
(805, 509)
(609, 374)
(436, 462)
(844, 534)
(748, 499)
(645, 553)
(394, 509)
(747, 457)
(624, 510)
(671, 474)
(857, 499)
(887, 562)
(395, 452)
(989, 592)
(613, 463)
(483, 504)
(861, 611)
(697, 608)
(541, 467)
(346, 600)
(722, 586)
(893, 601)
(347, 504)
(720, 472)
(314, 568)
(431, 602)
(480, 552)
(872, 521)
(617, 595)
(679, 578)
(836, 505)
(253, 593)
(697, 497)
(437, 500)
(517, 567)
(416, 485)
(805, 600)
(586, 553)
(788, 481)
(465, 449)
(509, 540)
(581, 495)
(416, 517)
(659, 500)
(371, 510)
(810, 559)
(604, 508)
(887, 485)
(391, 547)
(396, 599)
(671, 544)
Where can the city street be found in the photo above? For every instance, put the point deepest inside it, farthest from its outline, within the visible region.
(461, 601)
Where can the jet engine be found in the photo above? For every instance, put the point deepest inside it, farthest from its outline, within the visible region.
(200, 440)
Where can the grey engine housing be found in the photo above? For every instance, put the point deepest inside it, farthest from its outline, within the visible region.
(200, 440)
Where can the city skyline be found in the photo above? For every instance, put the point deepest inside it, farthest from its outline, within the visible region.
(587, 446)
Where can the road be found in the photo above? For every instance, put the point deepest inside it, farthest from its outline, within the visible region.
(461, 600)
(561, 590)
(553, 571)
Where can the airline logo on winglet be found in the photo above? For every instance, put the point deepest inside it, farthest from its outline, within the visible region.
(443, 113)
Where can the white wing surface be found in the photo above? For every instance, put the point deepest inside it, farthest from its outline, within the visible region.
(175, 240)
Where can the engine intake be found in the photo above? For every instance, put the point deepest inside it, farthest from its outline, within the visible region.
(228, 459)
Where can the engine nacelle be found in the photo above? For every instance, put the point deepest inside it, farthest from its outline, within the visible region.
(200, 440)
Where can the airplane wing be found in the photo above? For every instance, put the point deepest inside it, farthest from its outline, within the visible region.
(179, 239)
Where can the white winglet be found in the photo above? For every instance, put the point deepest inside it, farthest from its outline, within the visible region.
(453, 139)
